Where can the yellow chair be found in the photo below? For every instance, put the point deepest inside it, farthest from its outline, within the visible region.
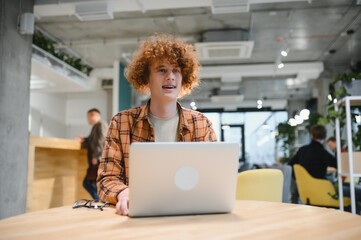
(260, 184)
(315, 191)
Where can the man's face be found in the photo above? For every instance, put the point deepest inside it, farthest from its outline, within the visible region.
(93, 118)
(332, 145)
(165, 81)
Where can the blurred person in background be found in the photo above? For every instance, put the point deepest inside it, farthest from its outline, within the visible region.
(94, 143)
(317, 160)
(314, 157)
(331, 143)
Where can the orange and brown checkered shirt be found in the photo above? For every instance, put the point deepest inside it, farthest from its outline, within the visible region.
(133, 125)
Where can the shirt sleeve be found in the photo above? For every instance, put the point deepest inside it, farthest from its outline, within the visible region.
(111, 171)
(98, 141)
(210, 135)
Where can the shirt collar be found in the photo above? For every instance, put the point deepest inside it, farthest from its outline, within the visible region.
(144, 115)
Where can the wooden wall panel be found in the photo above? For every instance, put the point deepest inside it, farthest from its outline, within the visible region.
(56, 173)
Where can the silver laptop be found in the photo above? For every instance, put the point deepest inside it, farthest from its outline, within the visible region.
(182, 178)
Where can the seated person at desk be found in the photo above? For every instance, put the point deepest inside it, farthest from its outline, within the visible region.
(331, 143)
(167, 68)
(315, 159)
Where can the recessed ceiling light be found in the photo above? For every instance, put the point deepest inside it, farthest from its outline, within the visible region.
(272, 13)
(292, 122)
(281, 65)
(284, 53)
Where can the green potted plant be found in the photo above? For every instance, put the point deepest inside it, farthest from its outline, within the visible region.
(287, 135)
(50, 46)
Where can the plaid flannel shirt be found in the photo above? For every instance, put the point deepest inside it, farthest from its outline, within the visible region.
(133, 125)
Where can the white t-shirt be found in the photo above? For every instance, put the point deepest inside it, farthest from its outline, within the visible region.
(165, 129)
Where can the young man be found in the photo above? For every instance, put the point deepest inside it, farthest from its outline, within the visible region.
(313, 157)
(331, 143)
(167, 69)
(94, 144)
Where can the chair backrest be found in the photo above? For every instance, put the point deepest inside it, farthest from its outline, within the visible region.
(314, 191)
(260, 184)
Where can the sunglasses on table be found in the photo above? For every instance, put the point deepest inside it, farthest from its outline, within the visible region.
(84, 203)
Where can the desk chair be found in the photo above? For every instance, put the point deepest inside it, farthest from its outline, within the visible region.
(315, 191)
(260, 184)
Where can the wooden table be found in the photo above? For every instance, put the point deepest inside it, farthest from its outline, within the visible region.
(249, 220)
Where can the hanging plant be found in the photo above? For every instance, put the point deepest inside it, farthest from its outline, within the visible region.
(50, 46)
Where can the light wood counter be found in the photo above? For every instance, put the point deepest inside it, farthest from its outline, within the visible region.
(249, 220)
(56, 169)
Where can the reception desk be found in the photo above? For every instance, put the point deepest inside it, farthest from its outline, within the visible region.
(56, 169)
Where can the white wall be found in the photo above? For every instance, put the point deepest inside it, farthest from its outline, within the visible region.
(64, 115)
(77, 105)
(47, 115)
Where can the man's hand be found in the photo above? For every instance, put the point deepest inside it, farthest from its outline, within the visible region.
(79, 138)
(95, 161)
(122, 207)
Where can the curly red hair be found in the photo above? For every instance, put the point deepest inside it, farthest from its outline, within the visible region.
(164, 47)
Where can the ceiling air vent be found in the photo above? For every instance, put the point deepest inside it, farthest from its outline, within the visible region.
(229, 6)
(107, 83)
(224, 50)
(93, 11)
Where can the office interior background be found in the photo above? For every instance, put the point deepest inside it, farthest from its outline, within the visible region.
(263, 62)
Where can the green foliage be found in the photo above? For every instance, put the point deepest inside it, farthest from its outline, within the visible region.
(338, 93)
(50, 46)
(347, 78)
(287, 134)
(356, 139)
(313, 119)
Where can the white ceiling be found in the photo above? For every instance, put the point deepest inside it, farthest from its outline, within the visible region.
(310, 29)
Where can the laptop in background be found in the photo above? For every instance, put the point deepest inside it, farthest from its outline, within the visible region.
(182, 178)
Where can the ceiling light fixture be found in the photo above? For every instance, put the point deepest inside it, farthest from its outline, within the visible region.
(305, 113)
(226, 127)
(284, 53)
(193, 105)
(259, 104)
(292, 122)
(298, 119)
(280, 65)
